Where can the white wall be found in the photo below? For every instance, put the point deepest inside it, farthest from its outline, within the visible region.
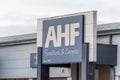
(59, 72)
(15, 61)
(117, 78)
(103, 39)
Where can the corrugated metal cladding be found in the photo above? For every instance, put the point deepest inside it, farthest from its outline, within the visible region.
(15, 61)
(15, 58)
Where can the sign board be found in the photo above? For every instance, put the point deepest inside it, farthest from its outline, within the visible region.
(33, 60)
(62, 40)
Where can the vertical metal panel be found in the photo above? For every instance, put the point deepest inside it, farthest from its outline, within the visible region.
(110, 39)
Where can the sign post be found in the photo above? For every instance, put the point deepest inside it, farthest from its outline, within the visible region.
(85, 63)
(42, 70)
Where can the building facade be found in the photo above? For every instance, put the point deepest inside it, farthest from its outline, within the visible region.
(110, 34)
(15, 57)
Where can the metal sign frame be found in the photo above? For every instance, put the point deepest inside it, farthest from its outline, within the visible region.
(87, 71)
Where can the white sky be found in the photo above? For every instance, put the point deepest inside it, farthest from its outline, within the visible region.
(20, 16)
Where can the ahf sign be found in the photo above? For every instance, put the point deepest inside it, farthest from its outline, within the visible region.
(62, 40)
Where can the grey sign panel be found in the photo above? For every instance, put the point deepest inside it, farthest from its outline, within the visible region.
(62, 40)
(107, 54)
(33, 60)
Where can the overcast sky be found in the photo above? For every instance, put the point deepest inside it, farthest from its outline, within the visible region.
(20, 16)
